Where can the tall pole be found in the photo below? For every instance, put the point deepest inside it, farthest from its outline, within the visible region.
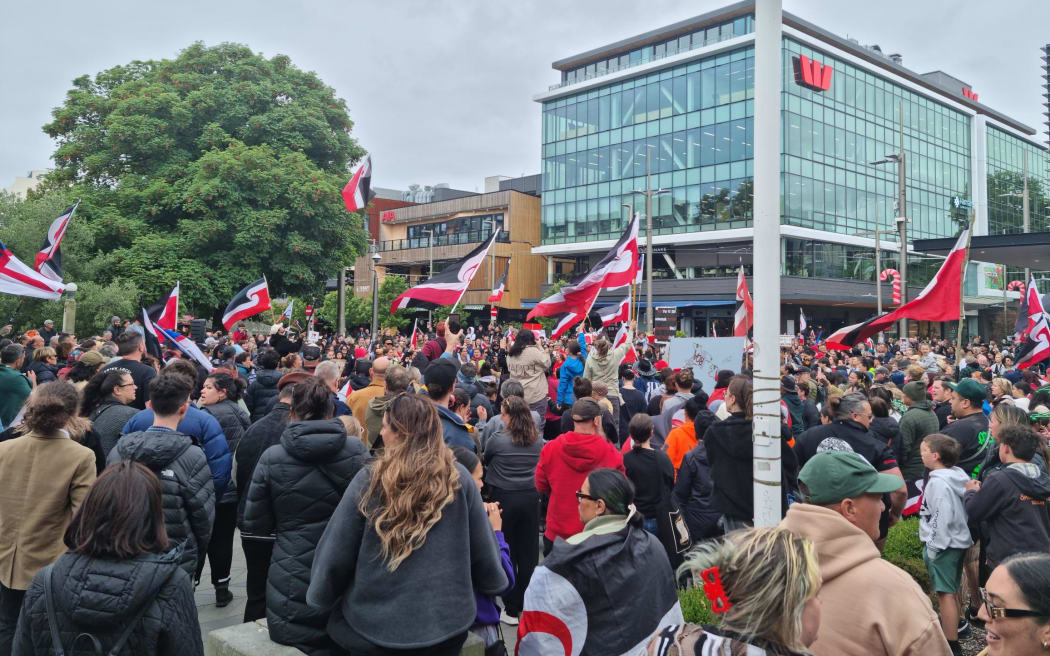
(1024, 208)
(767, 258)
(375, 296)
(341, 301)
(878, 267)
(648, 242)
(962, 289)
(902, 219)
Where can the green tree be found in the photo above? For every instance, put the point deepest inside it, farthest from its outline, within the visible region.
(212, 168)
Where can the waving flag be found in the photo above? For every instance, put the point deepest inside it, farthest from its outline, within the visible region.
(620, 340)
(938, 301)
(497, 292)
(163, 313)
(49, 259)
(357, 191)
(248, 302)
(564, 322)
(288, 310)
(186, 345)
(415, 335)
(801, 321)
(1036, 346)
(19, 280)
(745, 312)
(617, 269)
(619, 313)
(447, 286)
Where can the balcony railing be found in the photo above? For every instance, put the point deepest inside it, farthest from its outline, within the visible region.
(474, 237)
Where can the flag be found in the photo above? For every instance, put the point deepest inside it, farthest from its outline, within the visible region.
(564, 322)
(248, 302)
(163, 313)
(19, 280)
(714, 331)
(745, 312)
(1036, 346)
(345, 391)
(616, 269)
(298, 325)
(49, 259)
(557, 620)
(938, 301)
(801, 321)
(447, 286)
(620, 340)
(640, 276)
(186, 345)
(357, 191)
(497, 292)
(619, 313)
(415, 335)
(288, 310)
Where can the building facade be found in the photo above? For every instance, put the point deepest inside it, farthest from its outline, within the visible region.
(676, 104)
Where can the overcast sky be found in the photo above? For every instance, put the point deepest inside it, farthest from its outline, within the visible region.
(441, 90)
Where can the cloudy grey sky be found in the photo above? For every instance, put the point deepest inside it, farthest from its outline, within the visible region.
(441, 90)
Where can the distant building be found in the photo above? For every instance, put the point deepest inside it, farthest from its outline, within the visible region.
(22, 186)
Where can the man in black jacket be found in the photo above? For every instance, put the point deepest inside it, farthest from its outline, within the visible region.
(942, 401)
(970, 427)
(260, 436)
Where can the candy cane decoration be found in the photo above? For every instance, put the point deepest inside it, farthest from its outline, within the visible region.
(1016, 285)
(886, 275)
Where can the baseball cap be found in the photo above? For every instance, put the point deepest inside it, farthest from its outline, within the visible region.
(968, 388)
(788, 383)
(831, 476)
(585, 410)
(441, 372)
(311, 353)
(92, 358)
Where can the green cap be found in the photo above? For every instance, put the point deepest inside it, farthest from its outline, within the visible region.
(968, 388)
(831, 476)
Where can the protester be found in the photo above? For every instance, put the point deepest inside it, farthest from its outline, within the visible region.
(360, 399)
(510, 459)
(632, 400)
(679, 386)
(281, 343)
(682, 439)
(564, 464)
(120, 582)
(412, 516)
(398, 379)
(603, 365)
(328, 373)
(105, 403)
(789, 396)
(84, 369)
(14, 385)
(263, 390)
(441, 381)
(970, 426)
(1015, 606)
(767, 581)
(36, 508)
(189, 495)
(869, 606)
(131, 347)
(528, 364)
(611, 582)
(570, 370)
(942, 400)
(692, 493)
(918, 421)
(295, 488)
(652, 475)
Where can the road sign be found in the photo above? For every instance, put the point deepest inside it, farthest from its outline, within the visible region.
(309, 310)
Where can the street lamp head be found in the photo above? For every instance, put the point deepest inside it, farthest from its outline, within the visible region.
(71, 287)
(376, 257)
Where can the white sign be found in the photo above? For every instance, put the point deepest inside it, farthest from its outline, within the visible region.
(312, 336)
(706, 356)
(787, 340)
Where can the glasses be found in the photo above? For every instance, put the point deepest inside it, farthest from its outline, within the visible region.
(997, 613)
(581, 495)
(126, 385)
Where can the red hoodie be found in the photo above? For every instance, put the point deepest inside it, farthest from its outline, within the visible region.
(564, 465)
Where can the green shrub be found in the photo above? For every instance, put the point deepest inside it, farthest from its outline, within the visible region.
(696, 609)
(904, 549)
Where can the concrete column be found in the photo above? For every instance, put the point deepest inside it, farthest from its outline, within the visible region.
(766, 279)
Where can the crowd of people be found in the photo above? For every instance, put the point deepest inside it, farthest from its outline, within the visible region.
(370, 476)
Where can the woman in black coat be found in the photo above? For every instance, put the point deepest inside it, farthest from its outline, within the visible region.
(296, 487)
(262, 392)
(119, 582)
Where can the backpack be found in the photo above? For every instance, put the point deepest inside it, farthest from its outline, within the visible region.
(52, 622)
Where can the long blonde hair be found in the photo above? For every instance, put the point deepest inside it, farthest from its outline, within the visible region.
(769, 575)
(412, 482)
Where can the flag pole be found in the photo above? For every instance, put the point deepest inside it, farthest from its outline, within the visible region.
(962, 289)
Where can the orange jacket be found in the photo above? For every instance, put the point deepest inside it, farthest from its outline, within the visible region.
(680, 441)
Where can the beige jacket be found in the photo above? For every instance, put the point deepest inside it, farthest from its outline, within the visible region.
(43, 481)
(868, 605)
(359, 400)
(530, 369)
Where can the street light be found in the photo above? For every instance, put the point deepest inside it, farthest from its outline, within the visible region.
(375, 289)
(902, 226)
(649, 194)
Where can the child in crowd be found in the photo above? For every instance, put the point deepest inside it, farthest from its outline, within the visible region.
(942, 527)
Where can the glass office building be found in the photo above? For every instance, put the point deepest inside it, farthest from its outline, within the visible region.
(677, 102)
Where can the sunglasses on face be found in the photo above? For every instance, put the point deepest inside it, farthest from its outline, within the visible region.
(997, 613)
(581, 495)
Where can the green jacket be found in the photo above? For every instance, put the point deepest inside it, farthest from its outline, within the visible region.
(14, 388)
(918, 422)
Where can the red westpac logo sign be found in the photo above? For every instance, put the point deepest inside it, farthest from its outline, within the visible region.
(968, 93)
(811, 73)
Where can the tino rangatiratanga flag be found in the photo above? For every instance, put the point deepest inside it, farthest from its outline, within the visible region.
(248, 302)
(449, 284)
(357, 191)
(49, 259)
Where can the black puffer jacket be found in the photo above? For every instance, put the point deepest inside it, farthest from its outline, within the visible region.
(233, 421)
(295, 488)
(189, 495)
(45, 373)
(102, 596)
(262, 392)
(260, 436)
(692, 494)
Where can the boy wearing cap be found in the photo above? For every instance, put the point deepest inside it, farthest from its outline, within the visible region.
(970, 427)
(869, 606)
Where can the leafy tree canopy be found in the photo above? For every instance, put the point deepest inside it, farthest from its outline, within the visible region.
(212, 168)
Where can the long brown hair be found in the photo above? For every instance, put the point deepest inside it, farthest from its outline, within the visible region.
(122, 515)
(50, 407)
(520, 425)
(412, 482)
(740, 388)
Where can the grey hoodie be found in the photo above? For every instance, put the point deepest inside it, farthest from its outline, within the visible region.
(942, 516)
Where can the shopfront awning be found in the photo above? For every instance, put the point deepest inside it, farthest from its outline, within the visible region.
(1030, 249)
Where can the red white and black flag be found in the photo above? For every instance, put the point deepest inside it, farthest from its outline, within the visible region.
(565, 321)
(18, 279)
(49, 259)
(619, 313)
(448, 285)
(1036, 346)
(415, 335)
(358, 192)
(617, 269)
(164, 313)
(938, 301)
(248, 302)
(497, 292)
(745, 312)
